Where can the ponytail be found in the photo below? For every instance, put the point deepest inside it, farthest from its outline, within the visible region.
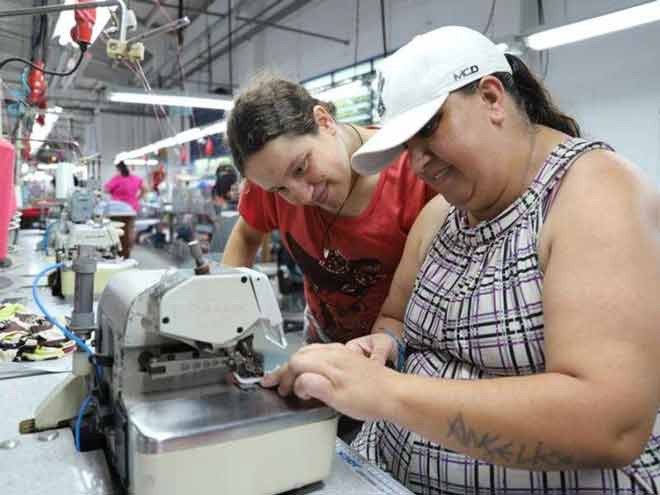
(536, 101)
(532, 97)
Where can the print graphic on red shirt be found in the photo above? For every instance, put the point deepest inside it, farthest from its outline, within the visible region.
(333, 276)
(346, 288)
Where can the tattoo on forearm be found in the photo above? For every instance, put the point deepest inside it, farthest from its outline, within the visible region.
(499, 451)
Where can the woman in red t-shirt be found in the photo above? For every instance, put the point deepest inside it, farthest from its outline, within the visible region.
(344, 230)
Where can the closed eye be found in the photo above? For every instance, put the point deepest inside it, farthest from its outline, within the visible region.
(300, 169)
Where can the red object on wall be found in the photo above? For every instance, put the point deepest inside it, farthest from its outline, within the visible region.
(208, 147)
(37, 84)
(7, 199)
(85, 19)
(157, 176)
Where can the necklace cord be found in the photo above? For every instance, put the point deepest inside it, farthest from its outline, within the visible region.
(326, 234)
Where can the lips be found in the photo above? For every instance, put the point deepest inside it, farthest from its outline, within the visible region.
(435, 173)
(320, 194)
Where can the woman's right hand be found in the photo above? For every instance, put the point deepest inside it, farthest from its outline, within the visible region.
(377, 346)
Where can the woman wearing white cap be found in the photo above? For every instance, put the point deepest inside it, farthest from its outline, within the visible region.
(523, 318)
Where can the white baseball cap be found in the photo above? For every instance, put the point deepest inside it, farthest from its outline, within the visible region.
(416, 80)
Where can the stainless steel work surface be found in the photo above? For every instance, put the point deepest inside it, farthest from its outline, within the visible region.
(38, 465)
(221, 414)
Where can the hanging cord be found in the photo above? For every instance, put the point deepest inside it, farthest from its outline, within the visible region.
(326, 234)
(83, 48)
(490, 17)
(357, 31)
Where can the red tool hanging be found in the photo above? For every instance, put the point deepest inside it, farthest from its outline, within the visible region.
(85, 19)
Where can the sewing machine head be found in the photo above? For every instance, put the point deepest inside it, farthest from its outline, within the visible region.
(168, 331)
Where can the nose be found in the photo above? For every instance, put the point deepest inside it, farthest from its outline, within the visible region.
(419, 157)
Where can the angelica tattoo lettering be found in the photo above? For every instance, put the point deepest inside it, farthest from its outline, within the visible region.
(499, 451)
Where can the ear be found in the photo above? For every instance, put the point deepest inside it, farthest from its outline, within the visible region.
(324, 120)
(492, 95)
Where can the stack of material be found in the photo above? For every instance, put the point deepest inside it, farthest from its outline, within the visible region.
(28, 337)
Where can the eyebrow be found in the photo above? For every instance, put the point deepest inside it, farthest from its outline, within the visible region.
(296, 161)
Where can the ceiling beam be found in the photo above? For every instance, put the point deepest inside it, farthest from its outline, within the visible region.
(186, 9)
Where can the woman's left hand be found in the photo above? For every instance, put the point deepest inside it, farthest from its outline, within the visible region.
(343, 379)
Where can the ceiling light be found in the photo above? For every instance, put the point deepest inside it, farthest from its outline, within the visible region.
(181, 138)
(171, 100)
(596, 26)
(140, 161)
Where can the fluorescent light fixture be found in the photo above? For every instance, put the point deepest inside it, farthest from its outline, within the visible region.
(66, 21)
(350, 90)
(181, 138)
(41, 132)
(140, 161)
(171, 100)
(596, 26)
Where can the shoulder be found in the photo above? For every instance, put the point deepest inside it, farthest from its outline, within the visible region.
(428, 222)
(605, 197)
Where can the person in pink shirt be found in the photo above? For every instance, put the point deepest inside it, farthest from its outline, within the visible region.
(128, 189)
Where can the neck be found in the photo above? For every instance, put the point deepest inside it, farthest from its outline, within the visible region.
(525, 162)
(360, 187)
(527, 165)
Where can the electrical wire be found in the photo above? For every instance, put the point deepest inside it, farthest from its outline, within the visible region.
(545, 59)
(179, 50)
(357, 31)
(81, 343)
(491, 15)
(52, 73)
(81, 412)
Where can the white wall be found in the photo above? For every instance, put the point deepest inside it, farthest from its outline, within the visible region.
(611, 83)
(115, 133)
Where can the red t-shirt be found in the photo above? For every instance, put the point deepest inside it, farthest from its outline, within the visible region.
(346, 288)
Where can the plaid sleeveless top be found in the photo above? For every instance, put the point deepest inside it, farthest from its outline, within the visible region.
(476, 312)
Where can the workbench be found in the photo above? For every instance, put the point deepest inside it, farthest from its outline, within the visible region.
(47, 462)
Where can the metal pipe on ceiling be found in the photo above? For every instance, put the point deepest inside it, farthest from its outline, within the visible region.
(75, 6)
(295, 30)
(382, 26)
(47, 9)
(280, 14)
(188, 9)
(229, 53)
(210, 58)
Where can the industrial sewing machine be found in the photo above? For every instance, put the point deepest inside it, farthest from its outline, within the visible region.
(77, 227)
(176, 401)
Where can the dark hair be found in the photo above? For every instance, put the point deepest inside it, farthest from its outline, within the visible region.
(123, 169)
(270, 107)
(532, 98)
(223, 183)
